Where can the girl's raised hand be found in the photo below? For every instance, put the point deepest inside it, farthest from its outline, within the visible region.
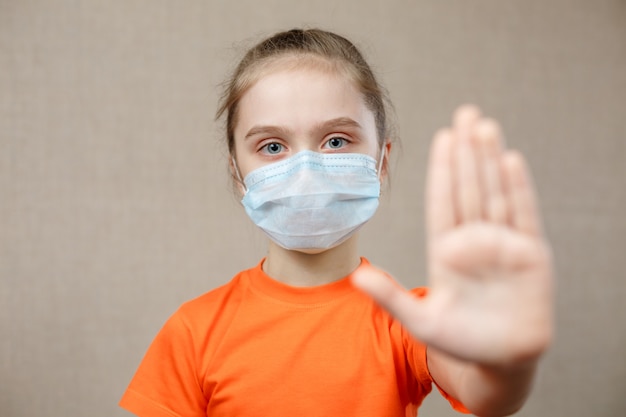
(490, 271)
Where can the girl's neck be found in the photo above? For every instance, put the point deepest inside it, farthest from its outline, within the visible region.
(307, 270)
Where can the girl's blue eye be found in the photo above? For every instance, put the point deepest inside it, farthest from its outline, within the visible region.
(273, 148)
(336, 142)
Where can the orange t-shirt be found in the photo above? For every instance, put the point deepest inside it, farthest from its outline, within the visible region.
(257, 347)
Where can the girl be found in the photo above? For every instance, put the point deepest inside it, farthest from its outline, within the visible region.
(314, 329)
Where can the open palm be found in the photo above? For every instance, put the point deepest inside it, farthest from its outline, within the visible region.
(490, 273)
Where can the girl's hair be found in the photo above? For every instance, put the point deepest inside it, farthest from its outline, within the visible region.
(312, 46)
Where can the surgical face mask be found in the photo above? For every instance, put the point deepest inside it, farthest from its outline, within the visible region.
(313, 200)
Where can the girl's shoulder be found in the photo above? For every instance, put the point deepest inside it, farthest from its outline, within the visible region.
(218, 302)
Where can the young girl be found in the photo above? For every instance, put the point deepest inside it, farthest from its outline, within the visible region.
(314, 329)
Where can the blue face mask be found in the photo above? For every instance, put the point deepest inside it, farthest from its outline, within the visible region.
(313, 200)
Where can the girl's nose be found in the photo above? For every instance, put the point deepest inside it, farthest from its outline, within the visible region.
(305, 144)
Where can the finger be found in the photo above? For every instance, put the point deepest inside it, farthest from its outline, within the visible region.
(521, 194)
(439, 197)
(465, 116)
(467, 184)
(386, 292)
(489, 142)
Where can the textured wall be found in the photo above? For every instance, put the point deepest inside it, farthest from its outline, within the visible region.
(115, 206)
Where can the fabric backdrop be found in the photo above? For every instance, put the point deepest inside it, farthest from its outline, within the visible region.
(115, 203)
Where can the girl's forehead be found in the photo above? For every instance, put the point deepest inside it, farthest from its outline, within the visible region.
(303, 64)
(300, 93)
(300, 98)
(301, 80)
(290, 89)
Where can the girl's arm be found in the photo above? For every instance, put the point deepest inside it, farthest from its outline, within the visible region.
(486, 391)
(488, 316)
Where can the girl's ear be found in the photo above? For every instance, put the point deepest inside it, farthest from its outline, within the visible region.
(384, 169)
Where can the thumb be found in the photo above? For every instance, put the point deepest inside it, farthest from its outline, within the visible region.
(401, 304)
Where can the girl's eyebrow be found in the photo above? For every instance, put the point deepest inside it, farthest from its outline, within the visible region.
(339, 122)
(267, 130)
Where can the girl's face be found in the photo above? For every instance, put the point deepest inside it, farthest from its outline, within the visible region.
(305, 108)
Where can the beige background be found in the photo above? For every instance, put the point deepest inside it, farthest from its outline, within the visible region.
(115, 206)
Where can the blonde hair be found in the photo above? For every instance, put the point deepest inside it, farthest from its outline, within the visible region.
(309, 46)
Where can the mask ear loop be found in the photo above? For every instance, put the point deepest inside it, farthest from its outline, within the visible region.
(383, 151)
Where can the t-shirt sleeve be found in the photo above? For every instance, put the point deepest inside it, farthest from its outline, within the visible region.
(166, 383)
(417, 356)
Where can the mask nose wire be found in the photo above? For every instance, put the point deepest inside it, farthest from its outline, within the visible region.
(378, 170)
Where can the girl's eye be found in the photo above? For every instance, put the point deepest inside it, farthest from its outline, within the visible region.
(272, 148)
(336, 142)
